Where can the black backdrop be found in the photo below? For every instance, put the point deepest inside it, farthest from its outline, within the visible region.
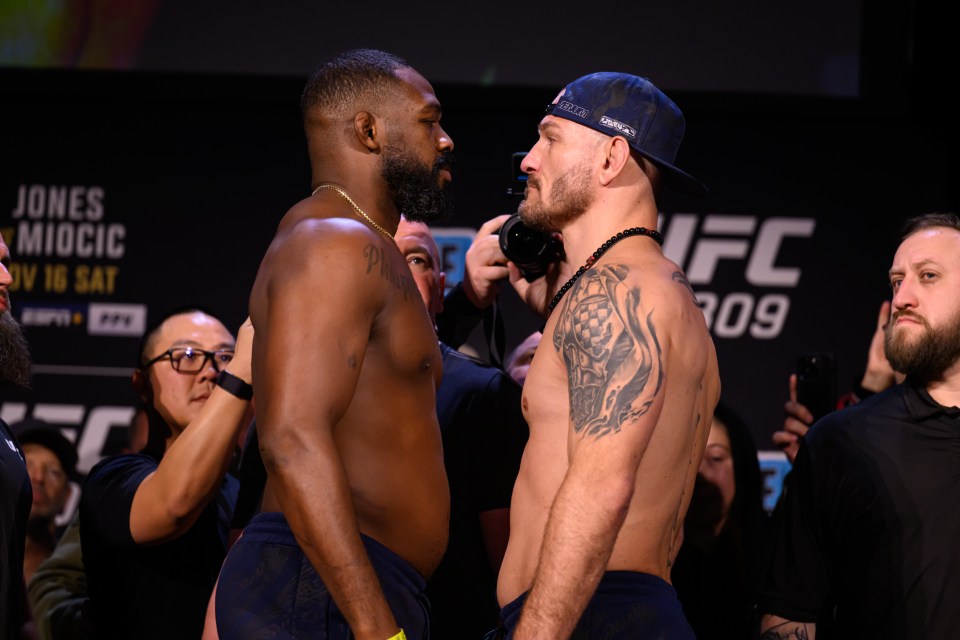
(187, 176)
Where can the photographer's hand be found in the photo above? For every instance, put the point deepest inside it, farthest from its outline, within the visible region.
(485, 266)
(540, 292)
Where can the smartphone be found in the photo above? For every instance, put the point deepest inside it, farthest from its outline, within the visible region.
(817, 383)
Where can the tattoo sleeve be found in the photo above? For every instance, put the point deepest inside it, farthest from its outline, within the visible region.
(611, 352)
(788, 631)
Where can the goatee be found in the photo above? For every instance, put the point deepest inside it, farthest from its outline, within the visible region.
(929, 354)
(570, 196)
(415, 187)
(14, 352)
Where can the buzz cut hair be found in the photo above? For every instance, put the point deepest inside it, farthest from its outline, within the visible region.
(148, 341)
(929, 221)
(338, 83)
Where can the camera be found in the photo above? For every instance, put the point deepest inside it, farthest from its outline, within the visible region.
(529, 249)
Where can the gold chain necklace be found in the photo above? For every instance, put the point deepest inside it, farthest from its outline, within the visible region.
(356, 207)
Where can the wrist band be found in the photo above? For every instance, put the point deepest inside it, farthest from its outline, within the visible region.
(234, 385)
(399, 636)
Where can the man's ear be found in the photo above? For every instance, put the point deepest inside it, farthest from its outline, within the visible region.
(366, 128)
(616, 156)
(141, 385)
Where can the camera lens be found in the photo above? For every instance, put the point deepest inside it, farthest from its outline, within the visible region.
(529, 249)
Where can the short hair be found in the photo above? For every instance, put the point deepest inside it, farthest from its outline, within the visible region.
(336, 84)
(149, 336)
(928, 221)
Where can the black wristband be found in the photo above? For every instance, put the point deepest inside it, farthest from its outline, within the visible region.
(234, 385)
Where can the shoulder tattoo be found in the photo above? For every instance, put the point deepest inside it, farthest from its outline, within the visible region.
(680, 277)
(787, 631)
(611, 351)
(379, 263)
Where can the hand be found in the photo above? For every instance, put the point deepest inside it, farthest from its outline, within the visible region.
(240, 365)
(485, 266)
(795, 425)
(879, 374)
(539, 293)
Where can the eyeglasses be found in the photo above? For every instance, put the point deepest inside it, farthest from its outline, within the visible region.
(193, 360)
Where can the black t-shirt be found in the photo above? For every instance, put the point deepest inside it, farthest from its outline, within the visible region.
(484, 434)
(16, 497)
(140, 591)
(870, 529)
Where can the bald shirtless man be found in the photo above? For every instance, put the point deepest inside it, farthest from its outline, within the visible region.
(346, 366)
(620, 395)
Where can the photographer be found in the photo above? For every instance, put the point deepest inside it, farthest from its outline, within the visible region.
(485, 269)
(499, 240)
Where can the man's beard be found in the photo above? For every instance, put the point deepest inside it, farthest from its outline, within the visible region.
(14, 352)
(569, 198)
(929, 354)
(415, 187)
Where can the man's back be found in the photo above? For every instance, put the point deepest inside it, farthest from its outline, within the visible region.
(628, 340)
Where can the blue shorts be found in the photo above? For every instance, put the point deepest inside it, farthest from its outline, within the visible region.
(269, 589)
(627, 605)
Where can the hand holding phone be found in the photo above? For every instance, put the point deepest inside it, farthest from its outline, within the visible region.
(817, 383)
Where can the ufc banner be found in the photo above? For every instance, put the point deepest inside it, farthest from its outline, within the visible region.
(125, 195)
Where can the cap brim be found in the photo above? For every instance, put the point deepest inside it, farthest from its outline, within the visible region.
(676, 179)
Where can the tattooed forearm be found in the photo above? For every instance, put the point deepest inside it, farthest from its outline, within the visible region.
(379, 263)
(611, 352)
(789, 630)
(680, 277)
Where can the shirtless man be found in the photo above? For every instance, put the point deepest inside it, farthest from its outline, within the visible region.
(620, 395)
(346, 366)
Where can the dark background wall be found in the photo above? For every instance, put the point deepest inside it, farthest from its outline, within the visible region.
(186, 145)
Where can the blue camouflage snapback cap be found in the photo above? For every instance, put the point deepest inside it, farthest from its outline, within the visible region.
(621, 104)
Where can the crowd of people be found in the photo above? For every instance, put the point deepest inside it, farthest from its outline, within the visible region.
(338, 469)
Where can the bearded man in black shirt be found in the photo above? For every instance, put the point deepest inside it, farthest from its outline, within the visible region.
(869, 543)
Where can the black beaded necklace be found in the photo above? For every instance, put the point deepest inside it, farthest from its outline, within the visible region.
(626, 233)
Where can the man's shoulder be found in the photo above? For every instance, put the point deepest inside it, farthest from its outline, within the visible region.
(326, 251)
(861, 419)
(309, 224)
(123, 464)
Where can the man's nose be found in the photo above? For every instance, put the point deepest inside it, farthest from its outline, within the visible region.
(528, 163)
(5, 278)
(210, 371)
(444, 142)
(905, 296)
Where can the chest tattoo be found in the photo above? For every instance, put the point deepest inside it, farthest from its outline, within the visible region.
(380, 264)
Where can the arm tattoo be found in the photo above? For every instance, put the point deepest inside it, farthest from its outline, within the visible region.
(787, 631)
(610, 350)
(680, 276)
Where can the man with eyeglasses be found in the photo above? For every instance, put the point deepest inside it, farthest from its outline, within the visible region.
(154, 523)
